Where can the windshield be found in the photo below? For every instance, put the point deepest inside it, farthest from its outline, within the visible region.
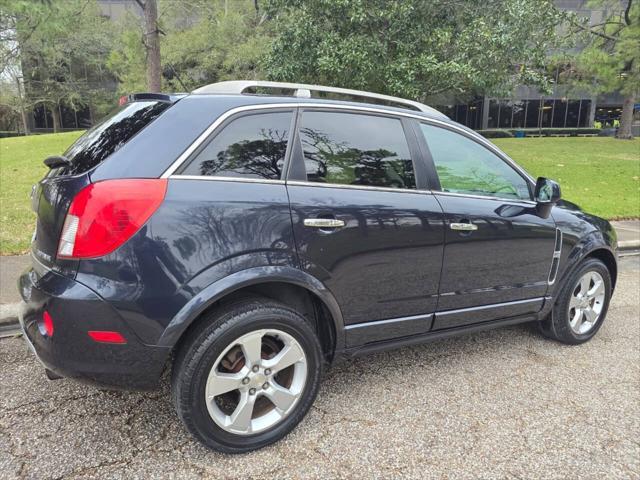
(110, 134)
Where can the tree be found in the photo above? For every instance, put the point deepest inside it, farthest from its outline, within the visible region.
(59, 48)
(222, 41)
(151, 42)
(610, 58)
(414, 48)
(13, 99)
(202, 41)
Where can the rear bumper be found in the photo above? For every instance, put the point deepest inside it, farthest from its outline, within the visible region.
(70, 352)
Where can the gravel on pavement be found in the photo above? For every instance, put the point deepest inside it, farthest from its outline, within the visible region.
(500, 404)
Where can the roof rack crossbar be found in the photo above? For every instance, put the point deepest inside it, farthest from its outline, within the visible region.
(302, 90)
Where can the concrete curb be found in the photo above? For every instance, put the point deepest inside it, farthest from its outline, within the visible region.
(9, 313)
(628, 245)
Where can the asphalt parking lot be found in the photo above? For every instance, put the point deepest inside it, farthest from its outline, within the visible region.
(499, 404)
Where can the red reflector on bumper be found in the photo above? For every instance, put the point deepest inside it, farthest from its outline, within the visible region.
(46, 327)
(106, 337)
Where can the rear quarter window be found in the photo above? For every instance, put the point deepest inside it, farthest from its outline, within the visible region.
(251, 146)
(109, 135)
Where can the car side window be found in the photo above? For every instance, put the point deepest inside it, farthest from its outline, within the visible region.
(465, 166)
(252, 146)
(356, 149)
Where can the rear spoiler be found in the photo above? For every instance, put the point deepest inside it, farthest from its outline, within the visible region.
(160, 97)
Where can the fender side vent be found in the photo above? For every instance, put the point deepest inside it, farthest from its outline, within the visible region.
(555, 262)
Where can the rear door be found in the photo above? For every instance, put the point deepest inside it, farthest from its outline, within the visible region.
(498, 251)
(364, 221)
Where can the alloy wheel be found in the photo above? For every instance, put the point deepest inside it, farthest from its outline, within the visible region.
(587, 301)
(256, 382)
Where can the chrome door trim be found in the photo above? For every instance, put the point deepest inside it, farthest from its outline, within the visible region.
(388, 321)
(485, 307)
(301, 183)
(464, 227)
(487, 197)
(323, 223)
(226, 179)
(204, 135)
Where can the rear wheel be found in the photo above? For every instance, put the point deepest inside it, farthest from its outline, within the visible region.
(247, 376)
(581, 306)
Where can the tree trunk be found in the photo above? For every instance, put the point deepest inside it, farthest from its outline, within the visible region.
(626, 120)
(55, 115)
(152, 45)
(25, 121)
(23, 112)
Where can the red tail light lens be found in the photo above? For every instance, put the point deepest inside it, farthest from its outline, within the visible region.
(106, 214)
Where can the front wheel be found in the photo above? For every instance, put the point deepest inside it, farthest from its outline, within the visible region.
(581, 306)
(248, 376)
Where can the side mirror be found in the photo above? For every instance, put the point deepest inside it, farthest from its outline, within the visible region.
(547, 194)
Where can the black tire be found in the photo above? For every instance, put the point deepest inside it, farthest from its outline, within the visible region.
(556, 326)
(202, 347)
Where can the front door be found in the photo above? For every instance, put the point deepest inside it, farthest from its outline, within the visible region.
(498, 251)
(364, 222)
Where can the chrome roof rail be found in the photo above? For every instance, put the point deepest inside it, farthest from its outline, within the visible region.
(301, 90)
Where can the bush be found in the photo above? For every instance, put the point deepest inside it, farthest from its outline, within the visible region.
(545, 132)
(7, 134)
(573, 132)
(496, 133)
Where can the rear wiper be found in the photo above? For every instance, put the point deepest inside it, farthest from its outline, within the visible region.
(57, 161)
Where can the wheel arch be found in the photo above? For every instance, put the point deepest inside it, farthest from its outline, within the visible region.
(287, 285)
(607, 257)
(586, 250)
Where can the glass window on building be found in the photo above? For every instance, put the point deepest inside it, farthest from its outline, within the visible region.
(505, 113)
(84, 118)
(461, 114)
(474, 117)
(42, 117)
(585, 109)
(573, 113)
(39, 117)
(559, 113)
(448, 110)
(68, 117)
(533, 112)
(494, 112)
(546, 114)
(519, 108)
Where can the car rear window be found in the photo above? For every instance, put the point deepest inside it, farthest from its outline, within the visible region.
(109, 135)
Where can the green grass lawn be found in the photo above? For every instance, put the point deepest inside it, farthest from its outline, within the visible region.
(20, 167)
(602, 175)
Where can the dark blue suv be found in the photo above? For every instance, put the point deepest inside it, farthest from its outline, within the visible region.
(247, 234)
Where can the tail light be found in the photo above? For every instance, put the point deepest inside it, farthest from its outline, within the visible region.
(104, 215)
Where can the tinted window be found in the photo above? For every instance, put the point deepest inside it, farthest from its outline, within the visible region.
(465, 166)
(110, 134)
(251, 146)
(356, 149)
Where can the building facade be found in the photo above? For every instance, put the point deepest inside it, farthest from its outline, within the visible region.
(529, 108)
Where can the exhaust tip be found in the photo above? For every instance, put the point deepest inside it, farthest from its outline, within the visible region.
(51, 375)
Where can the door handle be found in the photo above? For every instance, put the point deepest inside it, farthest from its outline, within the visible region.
(464, 226)
(323, 223)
